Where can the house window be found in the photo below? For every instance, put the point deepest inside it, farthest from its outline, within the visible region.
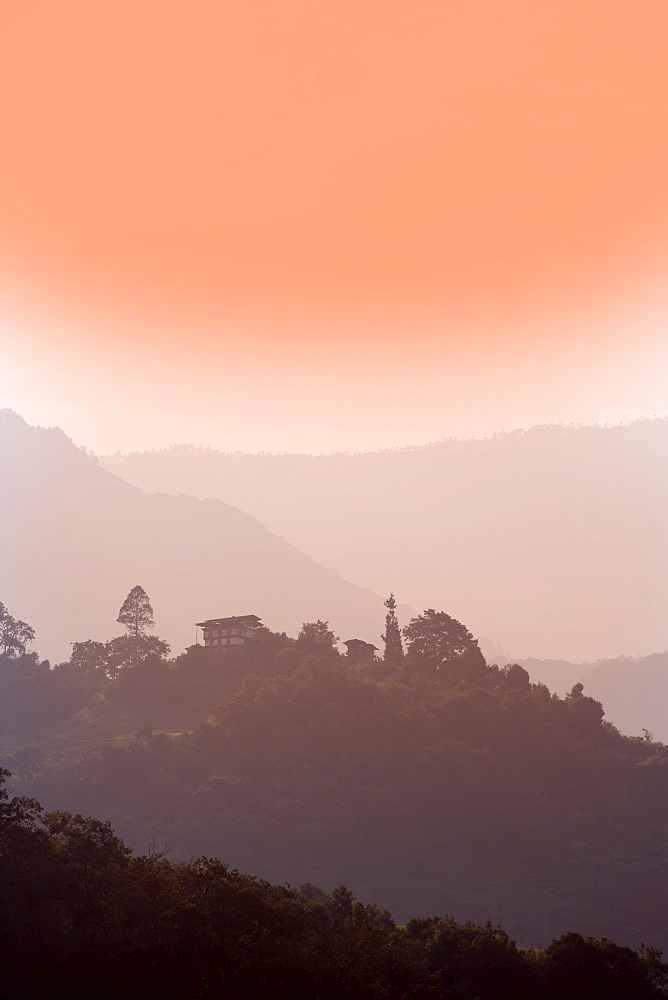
(215, 632)
(215, 642)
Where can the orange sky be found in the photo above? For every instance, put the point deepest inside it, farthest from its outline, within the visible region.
(294, 175)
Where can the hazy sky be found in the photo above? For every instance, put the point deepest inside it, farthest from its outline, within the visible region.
(309, 226)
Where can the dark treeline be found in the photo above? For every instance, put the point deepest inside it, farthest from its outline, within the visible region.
(431, 782)
(84, 917)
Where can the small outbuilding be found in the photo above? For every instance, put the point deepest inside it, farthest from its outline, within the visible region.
(358, 649)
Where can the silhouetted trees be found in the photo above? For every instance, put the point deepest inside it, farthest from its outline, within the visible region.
(136, 614)
(90, 655)
(473, 789)
(131, 649)
(15, 635)
(89, 918)
(317, 638)
(437, 642)
(394, 650)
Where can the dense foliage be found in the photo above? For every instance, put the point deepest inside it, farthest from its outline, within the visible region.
(88, 918)
(15, 635)
(437, 785)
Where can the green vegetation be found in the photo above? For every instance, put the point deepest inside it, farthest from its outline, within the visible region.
(88, 918)
(437, 785)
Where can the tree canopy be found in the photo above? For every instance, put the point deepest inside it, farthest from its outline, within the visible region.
(437, 642)
(136, 612)
(317, 638)
(15, 635)
(90, 918)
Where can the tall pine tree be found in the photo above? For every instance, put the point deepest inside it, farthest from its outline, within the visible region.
(394, 651)
(136, 613)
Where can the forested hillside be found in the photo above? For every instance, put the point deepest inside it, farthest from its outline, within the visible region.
(435, 784)
(87, 918)
(552, 542)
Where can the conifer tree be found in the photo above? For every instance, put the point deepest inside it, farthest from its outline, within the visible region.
(394, 651)
(136, 613)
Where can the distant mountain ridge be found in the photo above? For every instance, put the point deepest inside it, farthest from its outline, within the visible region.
(76, 538)
(634, 690)
(552, 541)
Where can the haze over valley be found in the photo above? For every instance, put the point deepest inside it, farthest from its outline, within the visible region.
(442, 524)
(76, 536)
(551, 542)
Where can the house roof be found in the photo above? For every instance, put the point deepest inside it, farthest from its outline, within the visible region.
(359, 642)
(232, 620)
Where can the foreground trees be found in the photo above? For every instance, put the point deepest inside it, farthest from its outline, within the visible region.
(88, 918)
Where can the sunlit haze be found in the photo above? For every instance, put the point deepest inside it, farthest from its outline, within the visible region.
(248, 391)
(326, 228)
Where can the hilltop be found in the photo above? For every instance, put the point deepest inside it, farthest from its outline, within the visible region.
(473, 793)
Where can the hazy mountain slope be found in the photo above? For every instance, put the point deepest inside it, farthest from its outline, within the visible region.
(553, 541)
(76, 538)
(634, 690)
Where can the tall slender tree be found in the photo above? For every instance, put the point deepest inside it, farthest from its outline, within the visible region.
(394, 650)
(137, 615)
(136, 612)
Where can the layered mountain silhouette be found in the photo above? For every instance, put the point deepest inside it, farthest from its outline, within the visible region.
(553, 541)
(634, 690)
(76, 538)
